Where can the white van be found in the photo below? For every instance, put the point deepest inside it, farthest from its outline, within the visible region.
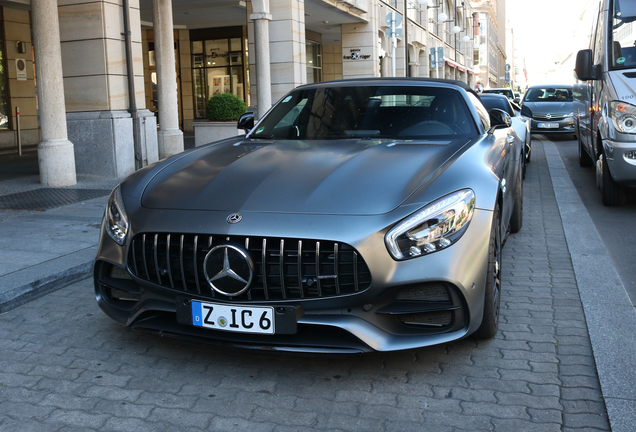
(605, 100)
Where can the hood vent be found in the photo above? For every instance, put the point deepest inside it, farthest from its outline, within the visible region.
(630, 74)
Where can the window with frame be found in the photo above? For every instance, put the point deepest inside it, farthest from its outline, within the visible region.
(314, 61)
(217, 68)
(4, 97)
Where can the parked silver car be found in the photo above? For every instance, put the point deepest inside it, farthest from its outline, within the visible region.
(520, 122)
(552, 110)
(357, 215)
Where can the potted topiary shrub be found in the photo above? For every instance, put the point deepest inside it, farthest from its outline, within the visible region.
(223, 111)
(225, 107)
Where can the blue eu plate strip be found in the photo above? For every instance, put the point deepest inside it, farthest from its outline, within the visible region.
(196, 314)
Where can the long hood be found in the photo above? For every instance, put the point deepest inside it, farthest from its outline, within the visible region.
(359, 177)
(550, 107)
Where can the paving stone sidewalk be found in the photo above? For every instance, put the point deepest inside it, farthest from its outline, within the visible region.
(65, 366)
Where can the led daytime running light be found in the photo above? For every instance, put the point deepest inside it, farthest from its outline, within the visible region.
(116, 218)
(432, 228)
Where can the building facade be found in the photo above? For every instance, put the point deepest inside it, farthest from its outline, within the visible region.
(491, 43)
(135, 75)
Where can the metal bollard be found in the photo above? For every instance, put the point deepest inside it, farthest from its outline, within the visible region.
(17, 125)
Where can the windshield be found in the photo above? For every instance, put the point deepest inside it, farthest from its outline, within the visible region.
(623, 35)
(369, 112)
(505, 92)
(548, 94)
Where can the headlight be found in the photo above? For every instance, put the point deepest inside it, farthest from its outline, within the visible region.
(116, 218)
(570, 115)
(623, 116)
(432, 228)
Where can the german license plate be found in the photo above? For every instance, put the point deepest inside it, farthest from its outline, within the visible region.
(548, 125)
(233, 318)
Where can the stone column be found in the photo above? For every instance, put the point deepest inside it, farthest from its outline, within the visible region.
(169, 137)
(360, 49)
(263, 78)
(55, 153)
(94, 61)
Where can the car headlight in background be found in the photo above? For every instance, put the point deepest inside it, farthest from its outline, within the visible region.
(432, 228)
(116, 218)
(623, 116)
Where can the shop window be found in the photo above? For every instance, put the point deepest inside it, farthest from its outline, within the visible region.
(314, 62)
(4, 99)
(217, 68)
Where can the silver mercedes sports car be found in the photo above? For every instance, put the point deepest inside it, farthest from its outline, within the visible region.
(356, 215)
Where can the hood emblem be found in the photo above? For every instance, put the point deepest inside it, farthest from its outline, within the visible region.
(548, 116)
(228, 269)
(234, 218)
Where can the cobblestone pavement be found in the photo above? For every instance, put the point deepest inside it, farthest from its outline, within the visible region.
(65, 366)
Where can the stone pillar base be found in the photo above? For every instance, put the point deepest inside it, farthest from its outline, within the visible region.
(104, 143)
(170, 142)
(57, 163)
(148, 135)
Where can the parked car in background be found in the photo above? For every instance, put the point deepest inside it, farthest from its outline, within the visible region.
(606, 100)
(357, 215)
(552, 110)
(507, 92)
(520, 122)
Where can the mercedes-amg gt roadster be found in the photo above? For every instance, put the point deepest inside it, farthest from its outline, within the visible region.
(355, 216)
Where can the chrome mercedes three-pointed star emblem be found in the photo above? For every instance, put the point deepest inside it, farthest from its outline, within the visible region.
(228, 269)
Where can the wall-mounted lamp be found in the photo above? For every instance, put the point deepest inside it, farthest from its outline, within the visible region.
(21, 47)
(456, 29)
(442, 16)
(466, 38)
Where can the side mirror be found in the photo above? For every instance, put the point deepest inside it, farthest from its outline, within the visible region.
(583, 69)
(526, 111)
(516, 100)
(499, 118)
(246, 122)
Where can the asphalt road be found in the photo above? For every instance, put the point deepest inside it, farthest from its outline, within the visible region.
(615, 225)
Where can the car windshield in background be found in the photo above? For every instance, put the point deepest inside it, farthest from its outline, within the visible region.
(623, 38)
(506, 92)
(548, 94)
(369, 112)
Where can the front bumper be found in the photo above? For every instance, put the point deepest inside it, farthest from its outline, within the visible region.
(621, 159)
(371, 320)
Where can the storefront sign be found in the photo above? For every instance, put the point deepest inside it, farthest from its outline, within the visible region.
(356, 55)
(20, 67)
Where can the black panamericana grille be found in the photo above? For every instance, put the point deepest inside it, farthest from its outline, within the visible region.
(284, 268)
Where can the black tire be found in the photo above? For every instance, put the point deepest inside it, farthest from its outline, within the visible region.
(523, 169)
(492, 297)
(584, 158)
(516, 220)
(613, 194)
